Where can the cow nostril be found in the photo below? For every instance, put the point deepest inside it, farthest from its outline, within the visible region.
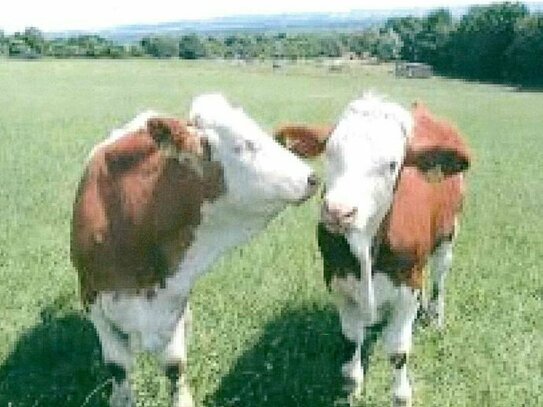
(313, 180)
(352, 213)
(339, 213)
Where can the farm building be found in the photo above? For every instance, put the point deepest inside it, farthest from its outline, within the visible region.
(413, 70)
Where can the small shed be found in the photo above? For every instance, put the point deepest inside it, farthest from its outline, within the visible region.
(278, 64)
(413, 70)
(337, 65)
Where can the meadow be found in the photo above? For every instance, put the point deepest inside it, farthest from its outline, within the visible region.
(265, 331)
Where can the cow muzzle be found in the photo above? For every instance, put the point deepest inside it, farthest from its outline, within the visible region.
(312, 187)
(338, 218)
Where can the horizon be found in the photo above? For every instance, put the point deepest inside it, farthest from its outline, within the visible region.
(102, 15)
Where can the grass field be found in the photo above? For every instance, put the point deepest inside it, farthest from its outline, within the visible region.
(265, 332)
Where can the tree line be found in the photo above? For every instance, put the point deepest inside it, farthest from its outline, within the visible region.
(382, 43)
(500, 42)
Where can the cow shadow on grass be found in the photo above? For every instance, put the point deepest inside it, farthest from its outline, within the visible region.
(296, 362)
(56, 363)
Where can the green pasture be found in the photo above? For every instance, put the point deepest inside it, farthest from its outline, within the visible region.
(265, 331)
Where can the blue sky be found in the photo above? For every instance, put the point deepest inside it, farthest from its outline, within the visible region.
(56, 15)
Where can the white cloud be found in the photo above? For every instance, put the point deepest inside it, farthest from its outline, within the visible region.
(55, 15)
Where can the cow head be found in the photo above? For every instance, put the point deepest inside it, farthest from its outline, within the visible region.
(260, 175)
(364, 155)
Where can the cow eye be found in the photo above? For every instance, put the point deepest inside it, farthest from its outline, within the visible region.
(251, 146)
(246, 146)
(392, 166)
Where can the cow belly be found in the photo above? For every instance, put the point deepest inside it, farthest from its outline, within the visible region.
(385, 292)
(147, 323)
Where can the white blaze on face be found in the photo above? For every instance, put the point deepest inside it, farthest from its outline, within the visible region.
(363, 157)
(259, 173)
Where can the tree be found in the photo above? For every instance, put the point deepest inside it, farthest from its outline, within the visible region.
(329, 47)
(525, 54)
(214, 47)
(408, 28)
(388, 45)
(191, 47)
(4, 44)
(18, 48)
(160, 46)
(35, 40)
(432, 41)
(480, 42)
(362, 43)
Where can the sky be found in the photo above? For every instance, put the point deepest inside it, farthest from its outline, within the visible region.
(59, 15)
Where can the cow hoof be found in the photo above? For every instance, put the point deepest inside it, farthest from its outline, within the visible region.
(434, 315)
(353, 376)
(401, 401)
(429, 317)
(121, 395)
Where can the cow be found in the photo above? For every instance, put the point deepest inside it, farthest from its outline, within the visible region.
(393, 193)
(304, 140)
(160, 200)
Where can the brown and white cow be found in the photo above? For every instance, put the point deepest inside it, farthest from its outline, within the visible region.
(394, 190)
(159, 202)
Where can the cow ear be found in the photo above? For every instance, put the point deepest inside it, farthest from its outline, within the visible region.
(437, 163)
(304, 141)
(161, 130)
(436, 147)
(176, 136)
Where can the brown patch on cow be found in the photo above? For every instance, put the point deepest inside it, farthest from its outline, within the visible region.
(304, 141)
(137, 207)
(426, 202)
(422, 215)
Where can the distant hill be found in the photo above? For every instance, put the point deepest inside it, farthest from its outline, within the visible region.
(300, 22)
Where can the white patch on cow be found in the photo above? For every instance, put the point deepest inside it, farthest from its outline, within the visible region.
(183, 398)
(134, 125)
(402, 393)
(354, 373)
(176, 350)
(398, 304)
(440, 264)
(364, 155)
(398, 330)
(397, 338)
(260, 174)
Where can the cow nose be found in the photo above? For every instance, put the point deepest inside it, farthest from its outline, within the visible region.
(313, 181)
(338, 217)
(311, 188)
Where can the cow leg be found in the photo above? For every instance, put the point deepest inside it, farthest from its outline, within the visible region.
(440, 263)
(175, 361)
(352, 326)
(397, 340)
(117, 357)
